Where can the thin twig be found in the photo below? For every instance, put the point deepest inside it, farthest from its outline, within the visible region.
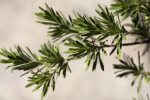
(127, 44)
(124, 44)
(137, 33)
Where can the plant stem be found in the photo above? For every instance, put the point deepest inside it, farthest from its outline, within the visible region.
(124, 44)
(137, 33)
(127, 44)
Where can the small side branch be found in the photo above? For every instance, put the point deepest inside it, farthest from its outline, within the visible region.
(127, 44)
(137, 33)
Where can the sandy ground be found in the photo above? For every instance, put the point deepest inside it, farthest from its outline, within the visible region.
(18, 26)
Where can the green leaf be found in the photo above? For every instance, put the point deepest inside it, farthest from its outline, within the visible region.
(134, 80)
(95, 62)
(53, 83)
(72, 51)
(112, 51)
(41, 15)
(139, 59)
(5, 61)
(33, 55)
(104, 52)
(101, 62)
(65, 70)
(45, 89)
(125, 17)
(38, 86)
(115, 6)
(89, 60)
(27, 66)
(124, 74)
(29, 85)
(140, 84)
(147, 79)
(116, 38)
(119, 49)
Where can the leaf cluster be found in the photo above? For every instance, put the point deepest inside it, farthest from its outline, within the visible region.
(127, 8)
(87, 27)
(20, 59)
(80, 48)
(128, 67)
(56, 21)
(44, 69)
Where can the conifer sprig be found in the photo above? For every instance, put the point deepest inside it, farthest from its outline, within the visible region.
(128, 67)
(44, 69)
(85, 36)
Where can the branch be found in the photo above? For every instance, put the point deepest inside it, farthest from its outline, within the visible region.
(107, 46)
(127, 44)
(137, 33)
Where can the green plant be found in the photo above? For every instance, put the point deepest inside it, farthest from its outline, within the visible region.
(85, 36)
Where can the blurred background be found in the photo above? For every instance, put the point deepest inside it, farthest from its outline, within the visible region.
(18, 26)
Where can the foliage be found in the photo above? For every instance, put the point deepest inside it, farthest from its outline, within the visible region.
(85, 48)
(128, 67)
(85, 36)
(59, 25)
(44, 69)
